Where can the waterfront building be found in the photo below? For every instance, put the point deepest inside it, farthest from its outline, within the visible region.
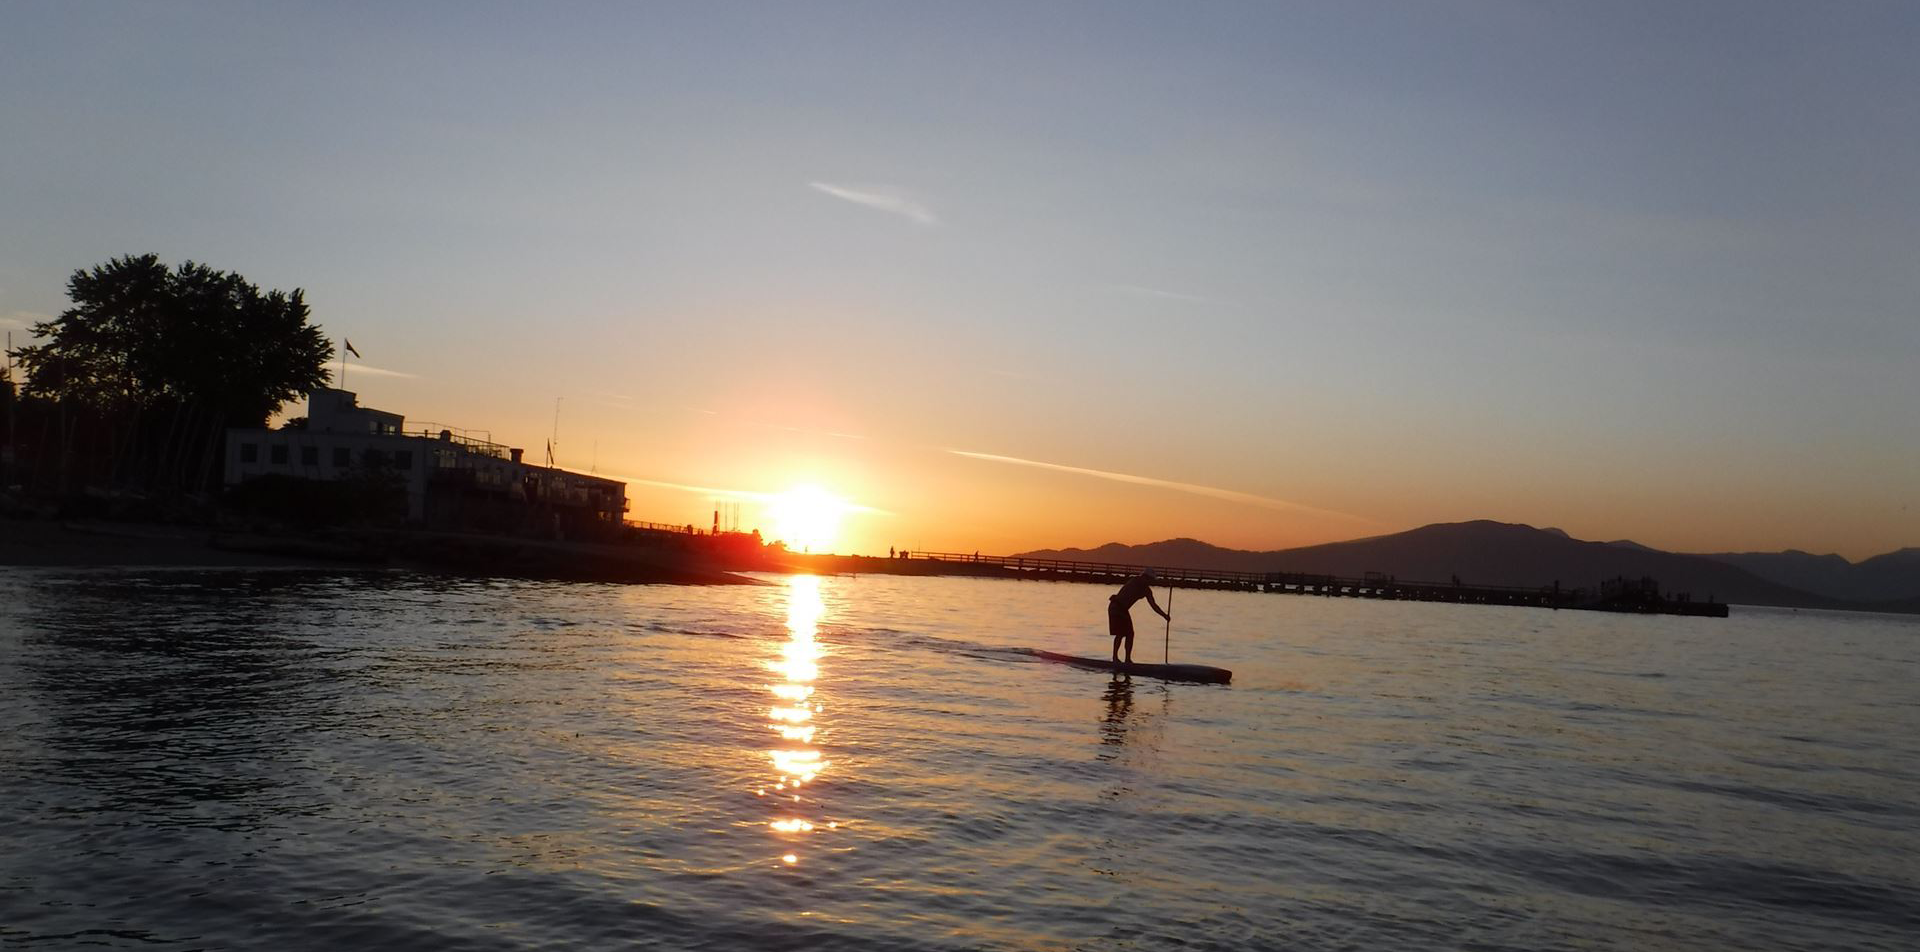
(451, 479)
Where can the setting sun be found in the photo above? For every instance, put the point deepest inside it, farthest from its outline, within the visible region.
(807, 518)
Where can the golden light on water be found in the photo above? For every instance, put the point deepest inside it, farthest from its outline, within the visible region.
(794, 760)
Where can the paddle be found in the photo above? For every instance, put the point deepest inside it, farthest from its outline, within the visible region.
(1166, 638)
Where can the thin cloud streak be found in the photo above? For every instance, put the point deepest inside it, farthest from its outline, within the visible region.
(615, 401)
(1142, 291)
(1230, 495)
(890, 200)
(806, 431)
(353, 369)
(749, 495)
(746, 494)
(782, 427)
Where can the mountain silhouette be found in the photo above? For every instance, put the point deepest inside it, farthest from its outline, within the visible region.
(1893, 577)
(1479, 553)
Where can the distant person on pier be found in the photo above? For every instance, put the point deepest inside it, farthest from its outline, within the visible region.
(1120, 610)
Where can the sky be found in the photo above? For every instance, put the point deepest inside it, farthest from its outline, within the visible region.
(1009, 276)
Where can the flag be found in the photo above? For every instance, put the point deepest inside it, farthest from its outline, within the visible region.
(350, 349)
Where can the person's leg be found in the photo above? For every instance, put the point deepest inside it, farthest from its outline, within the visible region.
(1120, 623)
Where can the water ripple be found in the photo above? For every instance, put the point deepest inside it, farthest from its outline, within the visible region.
(229, 760)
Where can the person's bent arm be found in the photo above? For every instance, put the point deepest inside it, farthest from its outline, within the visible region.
(1156, 606)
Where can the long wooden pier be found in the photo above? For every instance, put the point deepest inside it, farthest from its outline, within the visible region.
(1616, 595)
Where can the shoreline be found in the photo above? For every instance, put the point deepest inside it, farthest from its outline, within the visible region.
(52, 544)
(58, 544)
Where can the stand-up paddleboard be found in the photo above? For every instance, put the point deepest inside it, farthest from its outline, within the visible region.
(1204, 674)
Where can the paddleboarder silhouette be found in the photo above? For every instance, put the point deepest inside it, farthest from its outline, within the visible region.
(1120, 610)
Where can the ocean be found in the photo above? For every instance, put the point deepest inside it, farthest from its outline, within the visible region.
(324, 760)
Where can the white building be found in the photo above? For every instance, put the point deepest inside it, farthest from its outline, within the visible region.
(450, 478)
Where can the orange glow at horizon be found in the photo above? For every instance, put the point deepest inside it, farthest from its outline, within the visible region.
(889, 492)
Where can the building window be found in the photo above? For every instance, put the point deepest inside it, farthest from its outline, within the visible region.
(402, 459)
(309, 455)
(249, 453)
(342, 457)
(278, 454)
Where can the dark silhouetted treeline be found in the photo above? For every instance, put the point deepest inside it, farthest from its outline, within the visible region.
(131, 390)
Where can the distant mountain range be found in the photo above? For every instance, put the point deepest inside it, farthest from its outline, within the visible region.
(1498, 553)
(1890, 577)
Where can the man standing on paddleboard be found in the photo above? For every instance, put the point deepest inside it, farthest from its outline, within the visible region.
(1120, 610)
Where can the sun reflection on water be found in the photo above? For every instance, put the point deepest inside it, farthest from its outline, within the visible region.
(791, 718)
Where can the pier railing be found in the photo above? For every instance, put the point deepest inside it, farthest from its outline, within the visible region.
(687, 530)
(1168, 573)
(1626, 595)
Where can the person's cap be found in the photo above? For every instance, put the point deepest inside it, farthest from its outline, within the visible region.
(1146, 573)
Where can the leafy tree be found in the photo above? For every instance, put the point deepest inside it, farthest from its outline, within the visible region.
(142, 335)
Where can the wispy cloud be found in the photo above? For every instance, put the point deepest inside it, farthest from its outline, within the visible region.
(1142, 291)
(616, 401)
(783, 427)
(804, 430)
(744, 495)
(357, 369)
(1231, 495)
(21, 320)
(884, 198)
(747, 495)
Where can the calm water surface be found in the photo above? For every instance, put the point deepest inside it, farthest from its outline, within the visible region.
(290, 760)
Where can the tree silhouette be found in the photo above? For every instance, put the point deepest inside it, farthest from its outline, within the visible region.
(141, 336)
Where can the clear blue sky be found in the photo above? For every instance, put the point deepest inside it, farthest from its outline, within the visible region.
(1635, 270)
